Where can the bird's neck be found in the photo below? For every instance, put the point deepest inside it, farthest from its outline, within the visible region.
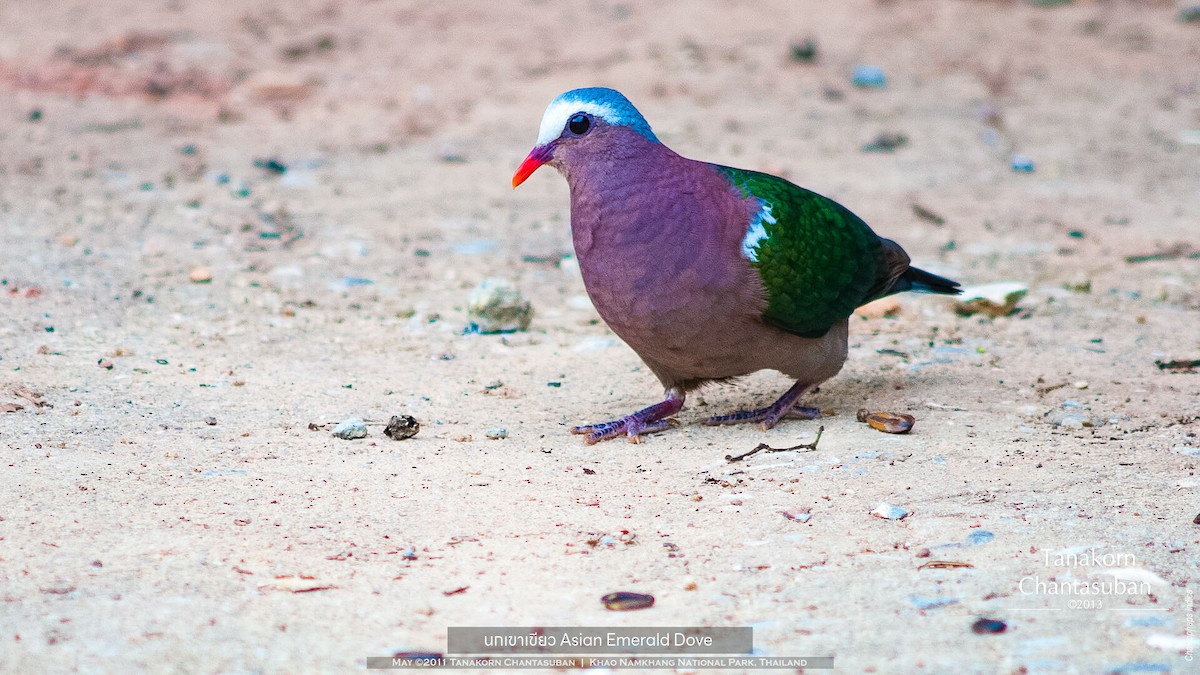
(614, 168)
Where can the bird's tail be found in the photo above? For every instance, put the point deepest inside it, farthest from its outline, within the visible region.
(920, 281)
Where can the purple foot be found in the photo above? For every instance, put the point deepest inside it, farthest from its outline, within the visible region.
(770, 416)
(645, 421)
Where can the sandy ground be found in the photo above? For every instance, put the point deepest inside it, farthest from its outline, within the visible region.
(137, 536)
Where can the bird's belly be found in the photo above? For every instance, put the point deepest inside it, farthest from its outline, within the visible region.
(710, 334)
(691, 333)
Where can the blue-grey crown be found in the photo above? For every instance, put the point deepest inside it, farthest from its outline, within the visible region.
(622, 111)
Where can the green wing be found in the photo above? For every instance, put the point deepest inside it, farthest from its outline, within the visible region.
(817, 260)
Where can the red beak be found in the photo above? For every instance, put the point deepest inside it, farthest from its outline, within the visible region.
(537, 157)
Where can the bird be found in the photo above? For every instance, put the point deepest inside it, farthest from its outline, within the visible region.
(709, 272)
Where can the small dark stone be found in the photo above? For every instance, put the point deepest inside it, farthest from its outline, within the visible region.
(833, 94)
(273, 165)
(987, 626)
(623, 601)
(1196, 520)
(35, 115)
(886, 142)
(401, 427)
(805, 52)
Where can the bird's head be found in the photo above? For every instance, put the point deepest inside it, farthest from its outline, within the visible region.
(574, 121)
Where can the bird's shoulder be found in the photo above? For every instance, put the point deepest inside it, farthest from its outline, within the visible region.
(818, 260)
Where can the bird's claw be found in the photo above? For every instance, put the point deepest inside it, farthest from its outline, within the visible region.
(769, 416)
(630, 426)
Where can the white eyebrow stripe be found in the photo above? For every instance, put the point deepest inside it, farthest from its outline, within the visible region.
(556, 116)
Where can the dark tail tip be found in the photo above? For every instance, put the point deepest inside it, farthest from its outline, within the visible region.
(921, 281)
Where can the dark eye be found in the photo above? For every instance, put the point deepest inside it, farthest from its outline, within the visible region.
(579, 124)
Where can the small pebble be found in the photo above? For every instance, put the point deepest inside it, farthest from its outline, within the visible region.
(105, 364)
(272, 165)
(1081, 385)
(979, 537)
(498, 307)
(886, 142)
(401, 427)
(996, 299)
(1072, 422)
(451, 153)
(1196, 520)
(805, 52)
(891, 423)
(1171, 643)
(350, 429)
(1079, 284)
(986, 626)
(623, 601)
(890, 511)
(869, 77)
(799, 515)
(210, 421)
(1022, 164)
(200, 275)
(496, 434)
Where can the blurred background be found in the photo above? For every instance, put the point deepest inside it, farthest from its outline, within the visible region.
(225, 226)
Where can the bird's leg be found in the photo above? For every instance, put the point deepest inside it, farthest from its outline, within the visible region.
(770, 416)
(645, 421)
